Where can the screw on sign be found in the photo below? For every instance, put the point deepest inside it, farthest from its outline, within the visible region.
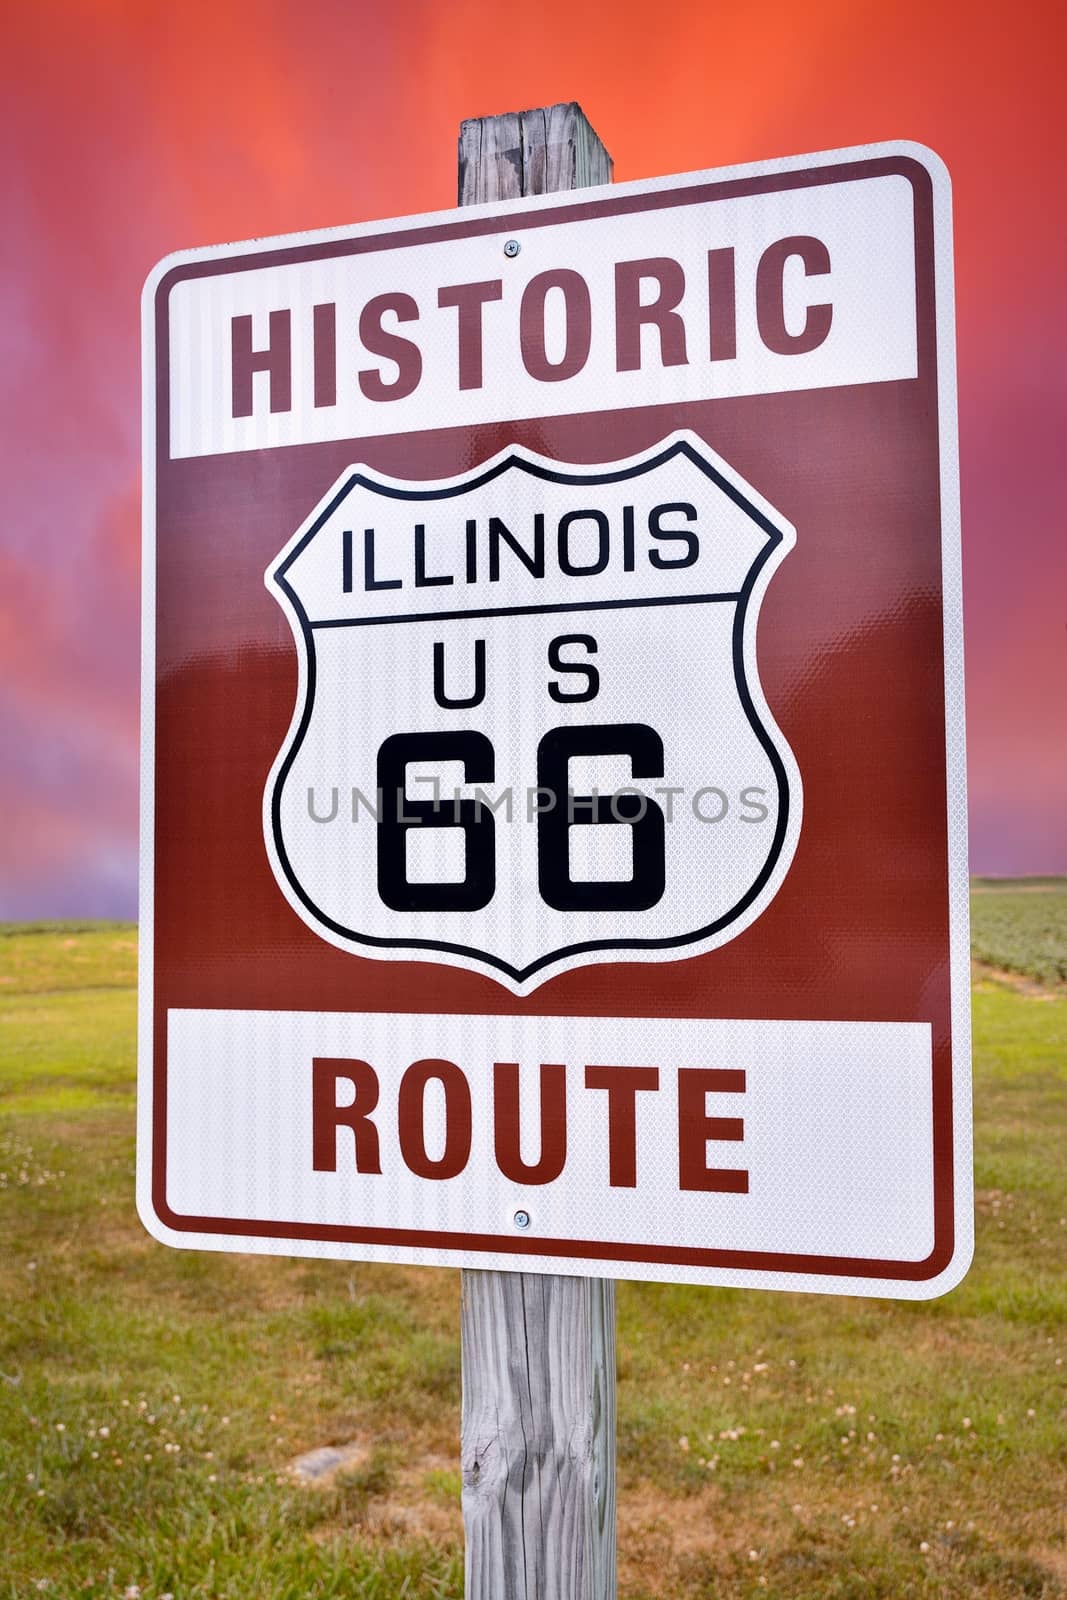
(553, 812)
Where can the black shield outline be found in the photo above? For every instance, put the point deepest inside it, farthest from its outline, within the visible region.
(554, 473)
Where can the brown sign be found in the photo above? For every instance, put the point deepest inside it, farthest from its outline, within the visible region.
(655, 514)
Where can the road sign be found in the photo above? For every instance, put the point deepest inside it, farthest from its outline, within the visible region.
(553, 820)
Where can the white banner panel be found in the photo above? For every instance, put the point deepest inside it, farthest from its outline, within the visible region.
(762, 294)
(806, 1139)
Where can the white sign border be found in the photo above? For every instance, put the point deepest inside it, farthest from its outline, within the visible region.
(952, 617)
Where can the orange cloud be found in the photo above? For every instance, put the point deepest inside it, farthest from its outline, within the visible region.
(133, 130)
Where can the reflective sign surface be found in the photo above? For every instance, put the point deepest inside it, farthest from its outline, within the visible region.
(553, 800)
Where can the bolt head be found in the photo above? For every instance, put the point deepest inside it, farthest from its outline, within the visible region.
(512, 248)
(522, 1219)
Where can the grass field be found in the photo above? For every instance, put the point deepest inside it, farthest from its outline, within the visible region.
(1020, 925)
(151, 1401)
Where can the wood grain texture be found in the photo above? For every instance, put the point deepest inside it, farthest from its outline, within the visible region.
(538, 1436)
(538, 1431)
(529, 152)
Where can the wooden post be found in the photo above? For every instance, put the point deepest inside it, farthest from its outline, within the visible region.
(538, 1431)
(529, 152)
(538, 1441)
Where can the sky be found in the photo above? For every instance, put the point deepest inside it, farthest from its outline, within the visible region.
(131, 130)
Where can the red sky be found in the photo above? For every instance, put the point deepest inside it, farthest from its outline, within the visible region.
(131, 130)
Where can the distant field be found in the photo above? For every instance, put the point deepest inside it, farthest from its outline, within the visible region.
(1020, 925)
(37, 956)
(786, 1445)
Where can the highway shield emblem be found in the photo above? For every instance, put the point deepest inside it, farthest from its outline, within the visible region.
(529, 732)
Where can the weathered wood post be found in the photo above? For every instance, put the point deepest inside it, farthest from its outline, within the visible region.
(538, 1431)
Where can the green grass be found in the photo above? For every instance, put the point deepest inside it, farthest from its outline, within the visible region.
(151, 1400)
(1020, 925)
(36, 957)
